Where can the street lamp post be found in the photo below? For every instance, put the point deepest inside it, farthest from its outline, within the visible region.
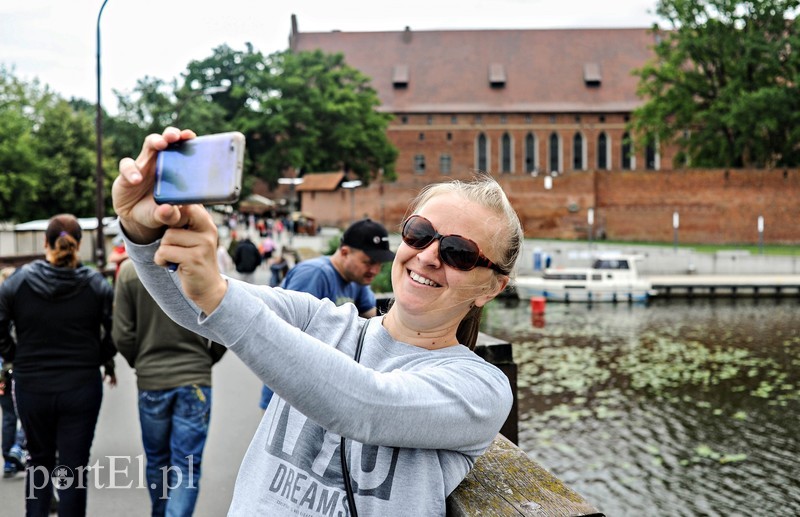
(352, 185)
(100, 245)
(292, 182)
(590, 220)
(760, 234)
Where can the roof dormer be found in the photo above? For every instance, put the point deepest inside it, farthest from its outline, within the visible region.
(400, 76)
(591, 75)
(497, 75)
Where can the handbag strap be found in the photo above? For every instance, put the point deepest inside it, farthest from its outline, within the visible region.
(351, 500)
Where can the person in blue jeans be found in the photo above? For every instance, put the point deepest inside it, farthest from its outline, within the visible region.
(13, 437)
(173, 370)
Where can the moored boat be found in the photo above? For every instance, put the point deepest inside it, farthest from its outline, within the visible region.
(609, 279)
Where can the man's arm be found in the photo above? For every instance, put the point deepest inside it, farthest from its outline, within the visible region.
(370, 313)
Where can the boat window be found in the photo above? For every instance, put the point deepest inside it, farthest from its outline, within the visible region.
(597, 277)
(610, 264)
(564, 276)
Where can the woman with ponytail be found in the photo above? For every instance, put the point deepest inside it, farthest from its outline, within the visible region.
(60, 311)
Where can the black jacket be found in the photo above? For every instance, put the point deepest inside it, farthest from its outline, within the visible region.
(62, 321)
(246, 257)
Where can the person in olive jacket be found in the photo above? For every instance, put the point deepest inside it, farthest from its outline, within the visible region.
(173, 371)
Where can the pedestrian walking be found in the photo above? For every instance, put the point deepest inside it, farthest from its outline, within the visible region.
(247, 258)
(173, 375)
(61, 314)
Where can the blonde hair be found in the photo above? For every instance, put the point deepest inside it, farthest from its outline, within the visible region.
(486, 192)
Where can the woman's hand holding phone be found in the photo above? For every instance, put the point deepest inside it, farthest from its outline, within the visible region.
(132, 192)
(193, 247)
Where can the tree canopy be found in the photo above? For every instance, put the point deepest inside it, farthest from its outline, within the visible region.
(308, 111)
(724, 83)
(47, 153)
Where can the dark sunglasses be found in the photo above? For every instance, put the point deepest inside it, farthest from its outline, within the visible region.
(454, 250)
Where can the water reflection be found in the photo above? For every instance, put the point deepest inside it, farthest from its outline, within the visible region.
(677, 408)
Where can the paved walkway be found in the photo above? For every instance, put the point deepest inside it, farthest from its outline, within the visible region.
(234, 417)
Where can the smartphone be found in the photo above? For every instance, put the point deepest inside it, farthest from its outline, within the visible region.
(204, 170)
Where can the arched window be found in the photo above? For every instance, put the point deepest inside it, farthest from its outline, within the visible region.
(651, 156)
(577, 152)
(627, 153)
(602, 152)
(554, 153)
(505, 149)
(482, 154)
(530, 153)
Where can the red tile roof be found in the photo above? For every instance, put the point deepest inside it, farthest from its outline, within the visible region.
(449, 71)
(322, 181)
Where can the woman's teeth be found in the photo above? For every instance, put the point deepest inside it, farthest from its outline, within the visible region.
(422, 280)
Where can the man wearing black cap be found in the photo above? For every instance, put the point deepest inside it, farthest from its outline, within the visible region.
(344, 276)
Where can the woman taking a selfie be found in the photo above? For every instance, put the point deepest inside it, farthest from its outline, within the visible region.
(409, 413)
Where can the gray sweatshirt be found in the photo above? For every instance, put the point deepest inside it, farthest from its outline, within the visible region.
(415, 419)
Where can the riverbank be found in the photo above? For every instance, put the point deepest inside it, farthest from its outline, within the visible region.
(655, 260)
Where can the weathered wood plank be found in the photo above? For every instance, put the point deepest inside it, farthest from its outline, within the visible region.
(506, 482)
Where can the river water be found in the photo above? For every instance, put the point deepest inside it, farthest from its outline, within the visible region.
(676, 408)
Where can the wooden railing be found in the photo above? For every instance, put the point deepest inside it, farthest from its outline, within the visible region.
(505, 482)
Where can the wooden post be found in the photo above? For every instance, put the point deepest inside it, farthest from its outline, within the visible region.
(499, 353)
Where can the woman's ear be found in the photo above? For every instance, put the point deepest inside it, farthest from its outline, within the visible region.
(502, 282)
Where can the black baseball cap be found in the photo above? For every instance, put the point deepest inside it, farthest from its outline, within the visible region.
(371, 238)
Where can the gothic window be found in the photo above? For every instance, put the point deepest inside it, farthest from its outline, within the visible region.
(482, 154)
(506, 153)
(602, 152)
(577, 152)
(627, 150)
(530, 153)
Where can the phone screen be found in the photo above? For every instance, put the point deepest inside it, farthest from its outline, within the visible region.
(206, 169)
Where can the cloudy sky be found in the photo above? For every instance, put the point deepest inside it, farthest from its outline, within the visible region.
(55, 40)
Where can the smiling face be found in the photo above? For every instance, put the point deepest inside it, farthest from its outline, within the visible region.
(437, 294)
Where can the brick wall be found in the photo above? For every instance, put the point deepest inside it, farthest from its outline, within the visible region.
(715, 206)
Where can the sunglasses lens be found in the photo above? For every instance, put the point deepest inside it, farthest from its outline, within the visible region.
(418, 233)
(459, 252)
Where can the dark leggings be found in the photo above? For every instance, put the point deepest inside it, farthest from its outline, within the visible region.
(60, 423)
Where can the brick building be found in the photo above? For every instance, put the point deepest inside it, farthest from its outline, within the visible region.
(527, 104)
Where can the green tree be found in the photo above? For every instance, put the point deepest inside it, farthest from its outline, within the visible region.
(19, 167)
(307, 110)
(724, 83)
(47, 153)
